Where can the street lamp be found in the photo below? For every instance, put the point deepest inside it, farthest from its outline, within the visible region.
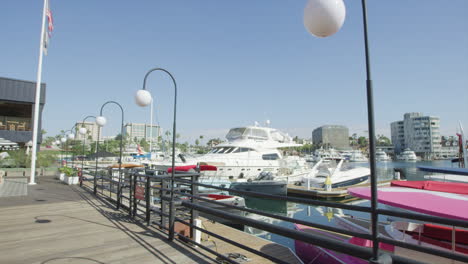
(101, 121)
(324, 18)
(143, 98)
(83, 132)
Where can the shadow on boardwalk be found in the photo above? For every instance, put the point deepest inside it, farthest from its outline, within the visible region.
(57, 223)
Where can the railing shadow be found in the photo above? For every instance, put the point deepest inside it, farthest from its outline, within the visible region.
(118, 218)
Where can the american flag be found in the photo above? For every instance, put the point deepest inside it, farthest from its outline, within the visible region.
(50, 27)
(50, 20)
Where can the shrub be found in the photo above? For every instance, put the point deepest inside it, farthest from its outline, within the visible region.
(68, 171)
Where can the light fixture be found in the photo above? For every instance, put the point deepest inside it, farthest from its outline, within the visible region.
(83, 130)
(323, 18)
(64, 139)
(71, 136)
(101, 121)
(143, 98)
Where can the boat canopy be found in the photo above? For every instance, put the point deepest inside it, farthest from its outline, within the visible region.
(258, 133)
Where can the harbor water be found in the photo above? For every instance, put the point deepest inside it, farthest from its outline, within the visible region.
(324, 215)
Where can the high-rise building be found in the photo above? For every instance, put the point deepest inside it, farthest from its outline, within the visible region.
(334, 136)
(92, 131)
(417, 132)
(140, 131)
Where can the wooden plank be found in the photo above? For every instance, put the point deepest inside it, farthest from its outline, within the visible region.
(260, 244)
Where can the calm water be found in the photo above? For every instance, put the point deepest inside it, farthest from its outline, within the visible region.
(325, 215)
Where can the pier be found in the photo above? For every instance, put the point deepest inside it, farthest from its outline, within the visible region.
(58, 223)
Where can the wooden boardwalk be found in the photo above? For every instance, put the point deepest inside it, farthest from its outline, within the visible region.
(76, 228)
(56, 223)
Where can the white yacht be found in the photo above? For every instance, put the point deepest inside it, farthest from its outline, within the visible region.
(249, 151)
(407, 155)
(380, 155)
(326, 155)
(354, 156)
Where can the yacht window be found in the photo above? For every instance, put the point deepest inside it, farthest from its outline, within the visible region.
(245, 149)
(256, 133)
(222, 150)
(272, 156)
(235, 133)
(236, 150)
(229, 150)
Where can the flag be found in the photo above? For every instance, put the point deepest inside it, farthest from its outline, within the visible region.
(140, 152)
(50, 27)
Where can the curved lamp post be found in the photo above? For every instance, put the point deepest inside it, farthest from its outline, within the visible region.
(66, 136)
(101, 121)
(83, 131)
(63, 139)
(323, 18)
(143, 98)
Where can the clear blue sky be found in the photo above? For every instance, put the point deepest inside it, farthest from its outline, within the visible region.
(237, 62)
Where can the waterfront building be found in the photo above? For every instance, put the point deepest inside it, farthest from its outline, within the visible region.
(331, 136)
(449, 148)
(141, 131)
(417, 132)
(92, 131)
(17, 99)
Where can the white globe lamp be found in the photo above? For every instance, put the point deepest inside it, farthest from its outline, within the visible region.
(101, 121)
(64, 139)
(57, 142)
(143, 98)
(323, 18)
(71, 136)
(82, 130)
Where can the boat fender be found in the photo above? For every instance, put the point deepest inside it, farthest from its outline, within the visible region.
(241, 175)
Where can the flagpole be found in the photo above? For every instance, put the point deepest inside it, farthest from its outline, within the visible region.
(37, 101)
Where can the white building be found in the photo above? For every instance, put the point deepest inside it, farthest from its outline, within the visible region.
(92, 131)
(418, 133)
(139, 131)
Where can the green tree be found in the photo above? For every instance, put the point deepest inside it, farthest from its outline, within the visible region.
(362, 142)
(213, 142)
(383, 141)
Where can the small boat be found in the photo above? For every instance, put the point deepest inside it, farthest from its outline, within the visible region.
(264, 183)
(447, 201)
(339, 177)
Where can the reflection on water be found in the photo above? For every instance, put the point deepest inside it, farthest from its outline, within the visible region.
(325, 215)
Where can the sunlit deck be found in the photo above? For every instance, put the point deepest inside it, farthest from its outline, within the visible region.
(57, 223)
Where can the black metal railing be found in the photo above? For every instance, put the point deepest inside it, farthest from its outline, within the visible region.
(148, 195)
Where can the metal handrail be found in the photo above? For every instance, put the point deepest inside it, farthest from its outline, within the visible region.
(136, 177)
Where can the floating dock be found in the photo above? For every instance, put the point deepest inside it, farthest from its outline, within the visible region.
(335, 193)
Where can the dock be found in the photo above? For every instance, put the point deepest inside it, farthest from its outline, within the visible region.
(58, 223)
(335, 193)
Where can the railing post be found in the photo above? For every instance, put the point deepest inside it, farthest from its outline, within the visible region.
(147, 197)
(130, 192)
(163, 203)
(80, 177)
(119, 189)
(171, 221)
(135, 205)
(194, 213)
